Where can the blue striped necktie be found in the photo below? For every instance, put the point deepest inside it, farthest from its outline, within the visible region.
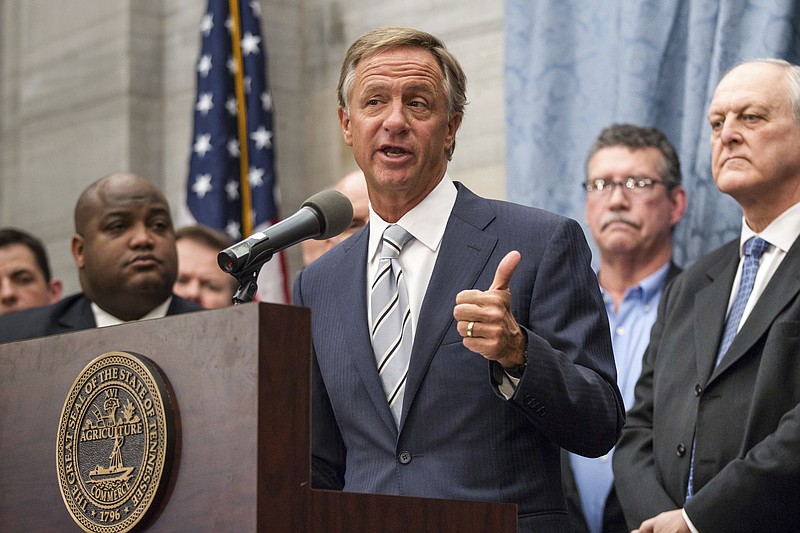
(753, 248)
(391, 319)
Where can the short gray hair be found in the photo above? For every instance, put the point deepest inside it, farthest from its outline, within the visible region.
(389, 37)
(792, 73)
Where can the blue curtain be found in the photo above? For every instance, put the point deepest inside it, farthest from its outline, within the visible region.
(574, 67)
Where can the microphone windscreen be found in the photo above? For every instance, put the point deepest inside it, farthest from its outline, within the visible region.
(336, 211)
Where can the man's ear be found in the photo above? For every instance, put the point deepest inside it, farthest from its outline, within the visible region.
(344, 122)
(77, 250)
(679, 204)
(56, 290)
(452, 129)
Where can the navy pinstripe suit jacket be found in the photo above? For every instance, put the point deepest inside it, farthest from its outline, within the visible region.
(458, 437)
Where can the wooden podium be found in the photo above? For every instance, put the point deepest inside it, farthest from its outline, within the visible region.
(240, 376)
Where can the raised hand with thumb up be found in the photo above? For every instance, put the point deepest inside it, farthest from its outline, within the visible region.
(485, 320)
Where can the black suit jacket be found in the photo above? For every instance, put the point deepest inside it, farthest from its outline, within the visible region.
(613, 517)
(745, 413)
(72, 313)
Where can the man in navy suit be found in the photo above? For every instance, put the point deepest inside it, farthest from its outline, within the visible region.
(511, 356)
(711, 443)
(124, 248)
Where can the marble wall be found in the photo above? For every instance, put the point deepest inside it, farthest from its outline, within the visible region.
(90, 87)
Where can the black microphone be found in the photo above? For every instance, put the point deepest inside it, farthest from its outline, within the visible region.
(324, 215)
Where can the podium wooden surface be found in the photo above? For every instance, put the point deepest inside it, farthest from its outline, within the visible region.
(240, 376)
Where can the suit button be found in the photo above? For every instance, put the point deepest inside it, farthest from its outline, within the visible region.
(698, 390)
(404, 458)
(681, 449)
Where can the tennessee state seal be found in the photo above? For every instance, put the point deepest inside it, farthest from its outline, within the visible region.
(115, 442)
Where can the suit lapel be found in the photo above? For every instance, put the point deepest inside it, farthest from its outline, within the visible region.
(464, 252)
(77, 316)
(781, 289)
(710, 305)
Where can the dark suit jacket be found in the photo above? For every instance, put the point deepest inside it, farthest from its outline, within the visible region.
(72, 313)
(458, 437)
(746, 411)
(613, 517)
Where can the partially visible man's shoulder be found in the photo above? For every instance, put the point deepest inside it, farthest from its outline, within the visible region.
(34, 322)
(718, 256)
(505, 208)
(179, 306)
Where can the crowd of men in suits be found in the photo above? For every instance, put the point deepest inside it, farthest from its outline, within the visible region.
(464, 347)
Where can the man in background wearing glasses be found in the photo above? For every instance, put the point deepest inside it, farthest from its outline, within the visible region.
(634, 199)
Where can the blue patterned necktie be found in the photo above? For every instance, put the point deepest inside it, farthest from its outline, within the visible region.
(753, 248)
(391, 319)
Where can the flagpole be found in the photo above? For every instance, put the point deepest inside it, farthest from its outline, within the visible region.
(241, 117)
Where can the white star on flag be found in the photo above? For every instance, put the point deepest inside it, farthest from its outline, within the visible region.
(233, 148)
(232, 66)
(203, 144)
(202, 185)
(232, 190)
(233, 229)
(266, 101)
(256, 7)
(230, 105)
(250, 44)
(204, 65)
(207, 24)
(255, 176)
(262, 138)
(205, 103)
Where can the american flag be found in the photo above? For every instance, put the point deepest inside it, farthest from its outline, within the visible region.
(232, 184)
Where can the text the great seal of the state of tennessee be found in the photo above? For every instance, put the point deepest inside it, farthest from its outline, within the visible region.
(115, 442)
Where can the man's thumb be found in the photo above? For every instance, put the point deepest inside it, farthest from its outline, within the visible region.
(505, 270)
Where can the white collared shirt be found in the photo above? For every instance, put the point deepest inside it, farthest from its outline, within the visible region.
(781, 234)
(426, 222)
(103, 319)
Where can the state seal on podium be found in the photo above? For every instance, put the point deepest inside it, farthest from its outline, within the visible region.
(115, 442)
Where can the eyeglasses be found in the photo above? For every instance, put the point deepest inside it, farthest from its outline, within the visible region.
(636, 186)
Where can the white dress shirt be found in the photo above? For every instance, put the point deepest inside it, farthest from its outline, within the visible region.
(781, 234)
(426, 222)
(103, 319)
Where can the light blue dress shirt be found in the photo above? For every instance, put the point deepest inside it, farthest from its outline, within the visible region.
(630, 334)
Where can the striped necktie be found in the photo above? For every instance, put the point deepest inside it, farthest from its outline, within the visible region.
(391, 319)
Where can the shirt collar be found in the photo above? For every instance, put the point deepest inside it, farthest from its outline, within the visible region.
(103, 318)
(647, 289)
(781, 232)
(426, 221)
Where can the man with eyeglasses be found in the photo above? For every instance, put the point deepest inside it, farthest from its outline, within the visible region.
(634, 199)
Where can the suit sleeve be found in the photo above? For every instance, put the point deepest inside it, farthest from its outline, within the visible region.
(636, 478)
(569, 387)
(328, 453)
